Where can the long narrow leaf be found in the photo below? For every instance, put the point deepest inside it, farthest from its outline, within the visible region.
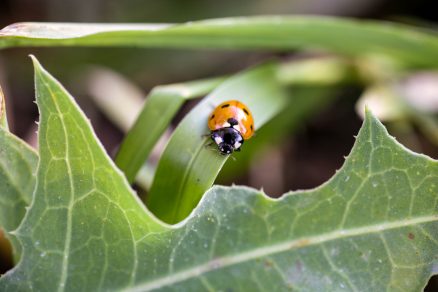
(304, 103)
(187, 167)
(347, 36)
(157, 113)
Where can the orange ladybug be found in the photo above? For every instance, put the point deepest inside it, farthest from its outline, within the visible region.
(231, 123)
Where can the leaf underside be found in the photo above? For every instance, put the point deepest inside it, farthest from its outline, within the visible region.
(372, 227)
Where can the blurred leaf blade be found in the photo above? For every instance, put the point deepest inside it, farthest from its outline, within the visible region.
(160, 107)
(346, 36)
(117, 97)
(187, 167)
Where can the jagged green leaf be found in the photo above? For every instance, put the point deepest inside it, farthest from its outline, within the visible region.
(372, 227)
(18, 163)
(77, 186)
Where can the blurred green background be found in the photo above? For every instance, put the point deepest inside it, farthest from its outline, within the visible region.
(304, 159)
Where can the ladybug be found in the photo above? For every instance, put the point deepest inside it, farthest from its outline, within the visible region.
(231, 123)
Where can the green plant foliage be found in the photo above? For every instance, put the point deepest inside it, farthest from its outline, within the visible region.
(188, 167)
(371, 227)
(161, 106)
(401, 42)
(164, 101)
(3, 119)
(18, 163)
(303, 103)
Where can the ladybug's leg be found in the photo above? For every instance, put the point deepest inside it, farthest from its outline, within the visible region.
(209, 144)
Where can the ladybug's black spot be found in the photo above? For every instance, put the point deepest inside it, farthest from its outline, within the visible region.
(246, 111)
(252, 128)
(232, 122)
(212, 117)
(225, 105)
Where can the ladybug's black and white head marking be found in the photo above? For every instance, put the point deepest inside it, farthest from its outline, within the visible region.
(227, 139)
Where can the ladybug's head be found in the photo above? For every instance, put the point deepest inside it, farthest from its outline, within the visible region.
(225, 148)
(227, 140)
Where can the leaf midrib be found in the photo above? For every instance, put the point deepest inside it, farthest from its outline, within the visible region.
(226, 261)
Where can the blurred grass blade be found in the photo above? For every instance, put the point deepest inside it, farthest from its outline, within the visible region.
(145, 176)
(117, 97)
(187, 167)
(317, 70)
(157, 113)
(346, 36)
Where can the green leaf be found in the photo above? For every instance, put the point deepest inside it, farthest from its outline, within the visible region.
(18, 163)
(78, 186)
(161, 106)
(346, 36)
(372, 227)
(188, 167)
(3, 119)
(165, 100)
(303, 103)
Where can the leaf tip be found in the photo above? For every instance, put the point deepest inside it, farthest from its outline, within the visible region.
(34, 60)
(369, 116)
(367, 111)
(36, 64)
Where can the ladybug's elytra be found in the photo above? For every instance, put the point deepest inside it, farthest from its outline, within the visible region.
(231, 123)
